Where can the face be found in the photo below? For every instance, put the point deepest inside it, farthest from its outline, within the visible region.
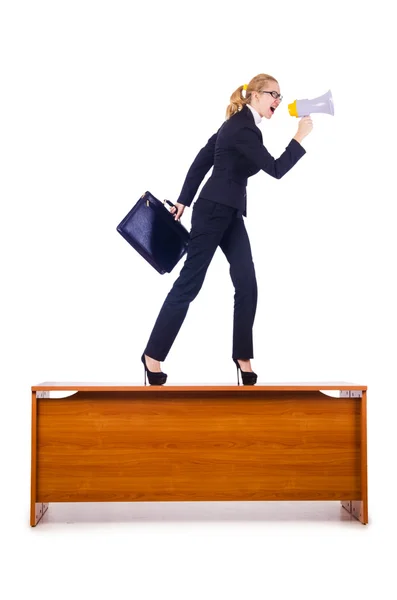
(264, 102)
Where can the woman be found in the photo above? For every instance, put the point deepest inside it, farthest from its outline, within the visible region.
(236, 152)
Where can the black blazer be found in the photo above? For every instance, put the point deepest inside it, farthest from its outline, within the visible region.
(237, 152)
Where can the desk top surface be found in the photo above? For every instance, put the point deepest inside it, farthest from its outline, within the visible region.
(135, 387)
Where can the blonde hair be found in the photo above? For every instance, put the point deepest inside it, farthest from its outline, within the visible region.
(238, 101)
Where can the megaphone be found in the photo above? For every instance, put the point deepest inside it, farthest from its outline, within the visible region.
(322, 104)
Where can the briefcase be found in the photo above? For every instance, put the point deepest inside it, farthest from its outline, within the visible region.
(152, 231)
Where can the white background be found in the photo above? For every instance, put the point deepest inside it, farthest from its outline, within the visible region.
(101, 101)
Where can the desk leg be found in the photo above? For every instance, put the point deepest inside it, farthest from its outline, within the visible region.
(359, 508)
(37, 509)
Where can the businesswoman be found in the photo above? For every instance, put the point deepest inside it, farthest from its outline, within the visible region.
(236, 152)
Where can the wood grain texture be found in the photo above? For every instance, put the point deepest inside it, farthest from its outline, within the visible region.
(234, 444)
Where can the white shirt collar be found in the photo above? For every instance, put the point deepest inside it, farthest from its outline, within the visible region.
(257, 116)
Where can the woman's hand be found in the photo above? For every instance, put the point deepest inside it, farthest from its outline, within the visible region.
(177, 210)
(304, 128)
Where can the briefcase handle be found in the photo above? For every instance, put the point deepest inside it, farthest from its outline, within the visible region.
(169, 202)
(164, 201)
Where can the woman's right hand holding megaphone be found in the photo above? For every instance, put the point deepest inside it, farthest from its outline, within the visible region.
(304, 128)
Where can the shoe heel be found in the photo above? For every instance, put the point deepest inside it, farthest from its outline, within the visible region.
(238, 379)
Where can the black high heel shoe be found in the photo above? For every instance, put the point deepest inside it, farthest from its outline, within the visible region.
(248, 377)
(153, 377)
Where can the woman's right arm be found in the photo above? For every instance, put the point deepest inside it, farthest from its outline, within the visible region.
(248, 142)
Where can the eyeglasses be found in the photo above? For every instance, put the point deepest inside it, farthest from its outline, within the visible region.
(274, 94)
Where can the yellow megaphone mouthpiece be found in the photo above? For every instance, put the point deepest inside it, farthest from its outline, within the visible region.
(292, 109)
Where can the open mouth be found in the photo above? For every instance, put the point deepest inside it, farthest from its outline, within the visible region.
(272, 108)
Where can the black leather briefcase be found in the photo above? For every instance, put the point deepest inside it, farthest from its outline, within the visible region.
(153, 231)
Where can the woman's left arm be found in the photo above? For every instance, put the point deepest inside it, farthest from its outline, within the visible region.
(198, 170)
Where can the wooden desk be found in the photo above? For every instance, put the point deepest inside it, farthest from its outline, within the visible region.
(121, 442)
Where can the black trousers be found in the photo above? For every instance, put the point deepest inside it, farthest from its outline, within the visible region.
(213, 225)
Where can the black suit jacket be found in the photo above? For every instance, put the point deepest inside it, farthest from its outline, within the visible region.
(236, 152)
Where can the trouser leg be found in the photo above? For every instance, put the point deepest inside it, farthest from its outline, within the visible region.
(237, 249)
